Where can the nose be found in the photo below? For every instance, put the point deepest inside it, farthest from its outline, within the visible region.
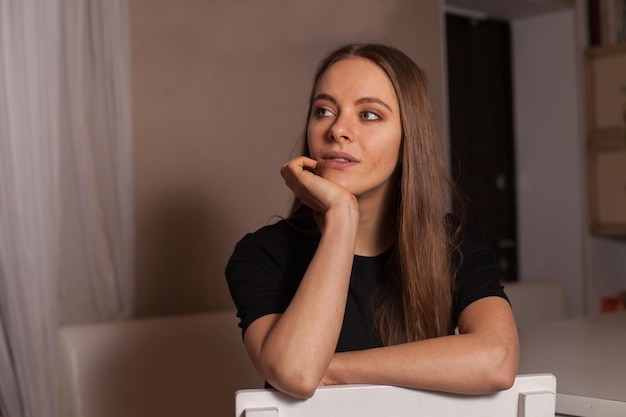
(341, 130)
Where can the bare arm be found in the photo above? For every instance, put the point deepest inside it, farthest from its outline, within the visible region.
(483, 358)
(292, 350)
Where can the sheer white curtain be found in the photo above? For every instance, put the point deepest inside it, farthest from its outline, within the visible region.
(29, 205)
(65, 184)
(97, 277)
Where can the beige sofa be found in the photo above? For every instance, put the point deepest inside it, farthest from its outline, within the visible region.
(191, 365)
(188, 365)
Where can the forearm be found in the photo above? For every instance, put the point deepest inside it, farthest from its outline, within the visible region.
(483, 358)
(458, 364)
(296, 352)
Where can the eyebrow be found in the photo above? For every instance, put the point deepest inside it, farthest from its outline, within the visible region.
(367, 99)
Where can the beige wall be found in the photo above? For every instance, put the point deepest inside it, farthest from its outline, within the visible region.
(550, 199)
(220, 92)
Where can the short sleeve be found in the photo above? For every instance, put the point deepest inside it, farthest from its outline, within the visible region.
(255, 282)
(265, 270)
(477, 273)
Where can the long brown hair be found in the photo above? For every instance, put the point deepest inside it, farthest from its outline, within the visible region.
(416, 300)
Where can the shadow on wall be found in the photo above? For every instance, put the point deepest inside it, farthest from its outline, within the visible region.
(180, 256)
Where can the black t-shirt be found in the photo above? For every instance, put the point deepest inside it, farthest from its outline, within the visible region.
(267, 266)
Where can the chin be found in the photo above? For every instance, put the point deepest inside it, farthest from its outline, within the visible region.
(338, 179)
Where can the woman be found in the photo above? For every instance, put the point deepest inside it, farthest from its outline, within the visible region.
(369, 276)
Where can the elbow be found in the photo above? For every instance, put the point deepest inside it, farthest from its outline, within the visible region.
(300, 390)
(501, 375)
(501, 379)
(297, 383)
(290, 374)
(302, 393)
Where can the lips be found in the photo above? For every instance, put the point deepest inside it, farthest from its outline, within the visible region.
(339, 157)
(339, 160)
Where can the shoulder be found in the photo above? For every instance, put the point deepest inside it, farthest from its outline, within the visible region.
(280, 235)
(469, 243)
(276, 245)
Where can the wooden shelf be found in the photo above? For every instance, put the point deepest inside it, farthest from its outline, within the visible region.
(606, 49)
(607, 186)
(606, 89)
(606, 133)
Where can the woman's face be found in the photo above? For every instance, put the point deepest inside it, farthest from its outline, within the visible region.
(354, 132)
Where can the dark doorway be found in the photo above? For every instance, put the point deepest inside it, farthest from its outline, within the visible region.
(481, 129)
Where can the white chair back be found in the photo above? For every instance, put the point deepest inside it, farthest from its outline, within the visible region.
(530, 396)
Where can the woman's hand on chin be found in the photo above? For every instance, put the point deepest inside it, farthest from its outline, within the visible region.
(318, 193)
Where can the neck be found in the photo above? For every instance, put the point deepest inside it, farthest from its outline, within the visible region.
(376, 228)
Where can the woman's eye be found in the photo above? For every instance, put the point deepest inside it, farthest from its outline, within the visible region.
(323, 112)
(369, 115)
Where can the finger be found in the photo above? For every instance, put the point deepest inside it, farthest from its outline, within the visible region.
(297, 165)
